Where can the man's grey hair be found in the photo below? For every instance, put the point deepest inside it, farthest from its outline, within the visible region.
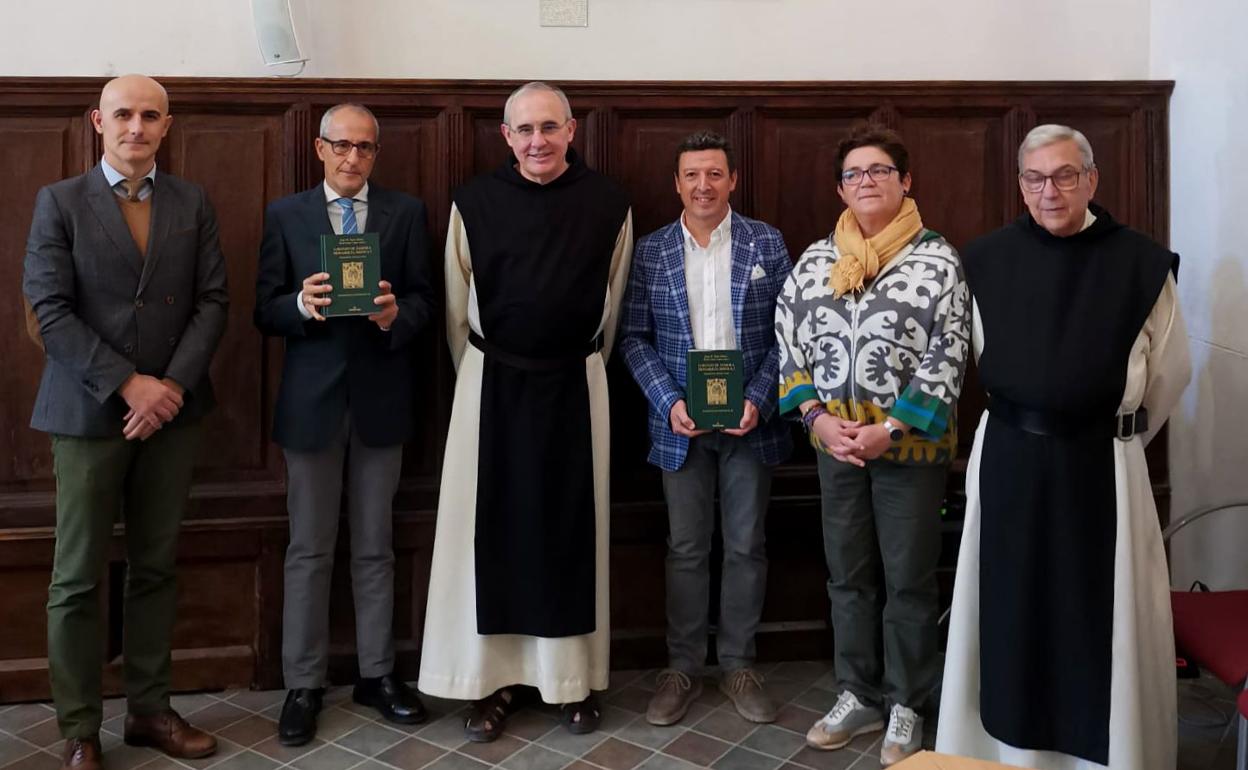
(536, 85)
(1051, 133)
(329, 116)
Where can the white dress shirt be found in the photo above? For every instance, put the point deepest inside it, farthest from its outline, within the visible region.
(708, 285)
(335, 221)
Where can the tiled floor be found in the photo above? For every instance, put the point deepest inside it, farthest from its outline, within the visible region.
(712, 735)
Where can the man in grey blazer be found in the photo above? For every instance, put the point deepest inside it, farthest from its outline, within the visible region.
(127, 281)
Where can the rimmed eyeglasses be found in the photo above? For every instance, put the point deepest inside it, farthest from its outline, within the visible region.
(343, 147)
(1064, 179)
(852, 177)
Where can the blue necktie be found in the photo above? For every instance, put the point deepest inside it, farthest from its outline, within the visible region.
(349, 225)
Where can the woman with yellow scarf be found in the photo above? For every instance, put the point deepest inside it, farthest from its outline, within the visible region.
(874, 326)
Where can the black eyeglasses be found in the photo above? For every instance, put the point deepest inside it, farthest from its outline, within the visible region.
(343, 147)
(852, 177)
(1064, 179)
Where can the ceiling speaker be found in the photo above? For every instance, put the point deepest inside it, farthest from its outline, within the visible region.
(275, 32)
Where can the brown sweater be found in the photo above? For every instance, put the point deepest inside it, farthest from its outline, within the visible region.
(138, 216)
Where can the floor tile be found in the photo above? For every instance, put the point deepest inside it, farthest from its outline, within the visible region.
(743, 759)
(13, 749)
(454, 761)
(631, 699)
(621, 679)
(335, 723)
(775, 741)
(161, 762)
(125, 757)
(725, 725)
(447, 732)
(271, 748)
(573, 745)
(215, 717)
(643, 733)
(495, 751)
(697, 748)
(665, 762)
(328, 757)
(817, 699)
(801, 670)
(535, 757)
(615, 754)
(795, 718)
(370, 739)
(250, 730)
(22, 716)
(411, 754)
(257, 700)
(187, 705)
(246, 760)
(824, 760)
(46, 733)
(531, 724)
(40, 760)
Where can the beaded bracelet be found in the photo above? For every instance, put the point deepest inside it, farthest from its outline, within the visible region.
(812, 414)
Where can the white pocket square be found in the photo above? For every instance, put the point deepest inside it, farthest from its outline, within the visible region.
(757, 272)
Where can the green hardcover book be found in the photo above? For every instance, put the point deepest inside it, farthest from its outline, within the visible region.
(354, 266)
(715, 394)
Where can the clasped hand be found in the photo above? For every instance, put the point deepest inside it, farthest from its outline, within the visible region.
(849, 440)
(153, 402)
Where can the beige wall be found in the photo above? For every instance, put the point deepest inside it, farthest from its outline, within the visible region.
(626, 39)
(1200, 46)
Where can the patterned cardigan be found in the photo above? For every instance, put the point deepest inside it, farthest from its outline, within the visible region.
(898, 348)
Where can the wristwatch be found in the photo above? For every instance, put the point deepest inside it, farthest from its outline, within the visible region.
(894, 433)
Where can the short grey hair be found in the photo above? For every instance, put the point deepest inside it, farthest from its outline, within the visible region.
(1052, 133)
(329, 116)
(536, 85)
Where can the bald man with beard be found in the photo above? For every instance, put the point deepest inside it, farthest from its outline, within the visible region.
(127, 281)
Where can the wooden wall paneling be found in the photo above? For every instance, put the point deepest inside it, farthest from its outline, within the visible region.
(643, 157)
(795, 174)
(251, 141)
(37, 150)
(237, 159)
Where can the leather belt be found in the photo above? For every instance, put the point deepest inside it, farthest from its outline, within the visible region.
(1067, 425)
(534, 364)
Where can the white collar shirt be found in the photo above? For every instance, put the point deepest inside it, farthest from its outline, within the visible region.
(708, 283)
(335, 211)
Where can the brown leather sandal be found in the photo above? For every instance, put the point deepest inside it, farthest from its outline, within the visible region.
(489, 715)
(581, 718)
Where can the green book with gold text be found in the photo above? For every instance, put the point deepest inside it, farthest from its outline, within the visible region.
(714, 390)
(354, 266)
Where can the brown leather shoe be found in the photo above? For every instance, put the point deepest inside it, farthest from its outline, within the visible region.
(170, 733)
(81, 754)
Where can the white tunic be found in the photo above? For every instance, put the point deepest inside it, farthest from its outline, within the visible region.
(456, 661)
(1143, 715)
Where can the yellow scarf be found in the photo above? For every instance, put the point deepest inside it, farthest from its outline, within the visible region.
(861, 259)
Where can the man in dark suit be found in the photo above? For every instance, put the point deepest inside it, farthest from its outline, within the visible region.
(345, 400)
(127, 281)
(709, 281)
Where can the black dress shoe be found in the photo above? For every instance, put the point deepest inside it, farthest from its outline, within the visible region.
(297, 725)
(390, 696)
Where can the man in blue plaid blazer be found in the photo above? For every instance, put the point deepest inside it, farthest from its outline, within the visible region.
(709, 281)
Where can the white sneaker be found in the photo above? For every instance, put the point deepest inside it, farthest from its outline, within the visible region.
(904, 735)
(847, 720)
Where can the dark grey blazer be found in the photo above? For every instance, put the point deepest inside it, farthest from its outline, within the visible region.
(343, 363)
(105, 311)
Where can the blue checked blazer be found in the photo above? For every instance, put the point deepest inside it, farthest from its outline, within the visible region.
(655, 333)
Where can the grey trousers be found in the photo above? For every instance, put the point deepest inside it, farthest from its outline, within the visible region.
(881, 538)
(314, 494)
(744, 483)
